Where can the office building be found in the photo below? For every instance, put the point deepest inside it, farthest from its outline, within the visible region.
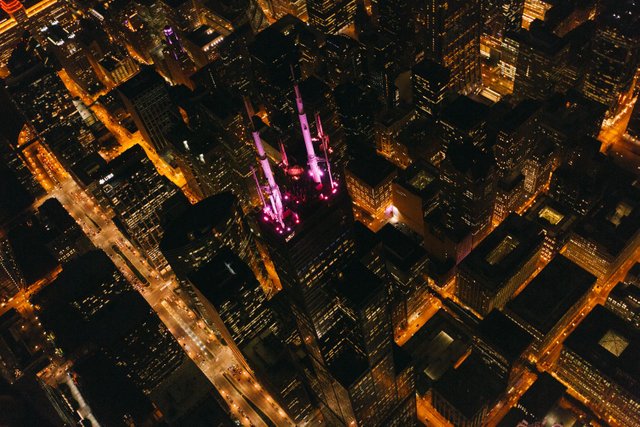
(203, 159)
(437, 347)
(37, 91)
(633, 128)
(229, 158)
(557, 222)
(550, 300)
(509, 196)
(273, 57)
(513, 11)
(464, 394)
(20, 346)
(430, 83)
(397, 17)
(603, 240)
(624, 298)
(64, 44)
(11, 278)
(535, 9)
(467, 190)
(538, 167)
(136, 192)
(147, 99)
(360, 355)
(540, 57)
(406, 264)
(297, 8)
(463, 121)
(345, 60)
(201, 231)
(543, 400)
(515, 138)
(64, 238)
(493, 271)
(356, 108)
(230, 300)
(369, 182)
(415, 194)
(330, 16)
(615, 55)
(599, 359)
(502, 342)
(453, 40)
(387, 130)
(85, 307)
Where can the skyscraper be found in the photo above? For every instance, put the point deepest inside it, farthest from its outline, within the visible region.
(615, 54)
(92, 306)
(452, 30)
(359, 354)
(330, 16)
(468, 190)
(206, 228)
(540, 57)
(397, 17)
(297, 8)
(430, 84)
(147, 100)
(136, 193)
(11, 280)
(230, 299)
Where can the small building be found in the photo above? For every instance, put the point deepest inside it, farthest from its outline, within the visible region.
(369, 184)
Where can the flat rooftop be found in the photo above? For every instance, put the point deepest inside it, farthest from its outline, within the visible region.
(615, 222)
(470, 387)
(610, 345)
(503, 252)
(430, 70)
(504, 335)
(437, 346)
(543, 394)
(464, 113)
(205, 217)
(223, 278)
(551, 215)
(146, 79)
(551, 294)
(203, 35)
(373, 170)
(401, 249)
(469, 160)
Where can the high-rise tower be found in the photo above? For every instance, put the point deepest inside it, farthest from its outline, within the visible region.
(345, 332)
(329, 16)
(453, 39)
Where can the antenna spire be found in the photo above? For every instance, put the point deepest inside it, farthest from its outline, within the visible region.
(314, 169)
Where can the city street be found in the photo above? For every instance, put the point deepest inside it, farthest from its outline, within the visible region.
(213, 358)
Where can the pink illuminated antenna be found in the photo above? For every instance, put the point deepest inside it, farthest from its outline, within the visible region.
(314, 169)
(283, 153)
(277, 209)
(259, 187)
(325, 146)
